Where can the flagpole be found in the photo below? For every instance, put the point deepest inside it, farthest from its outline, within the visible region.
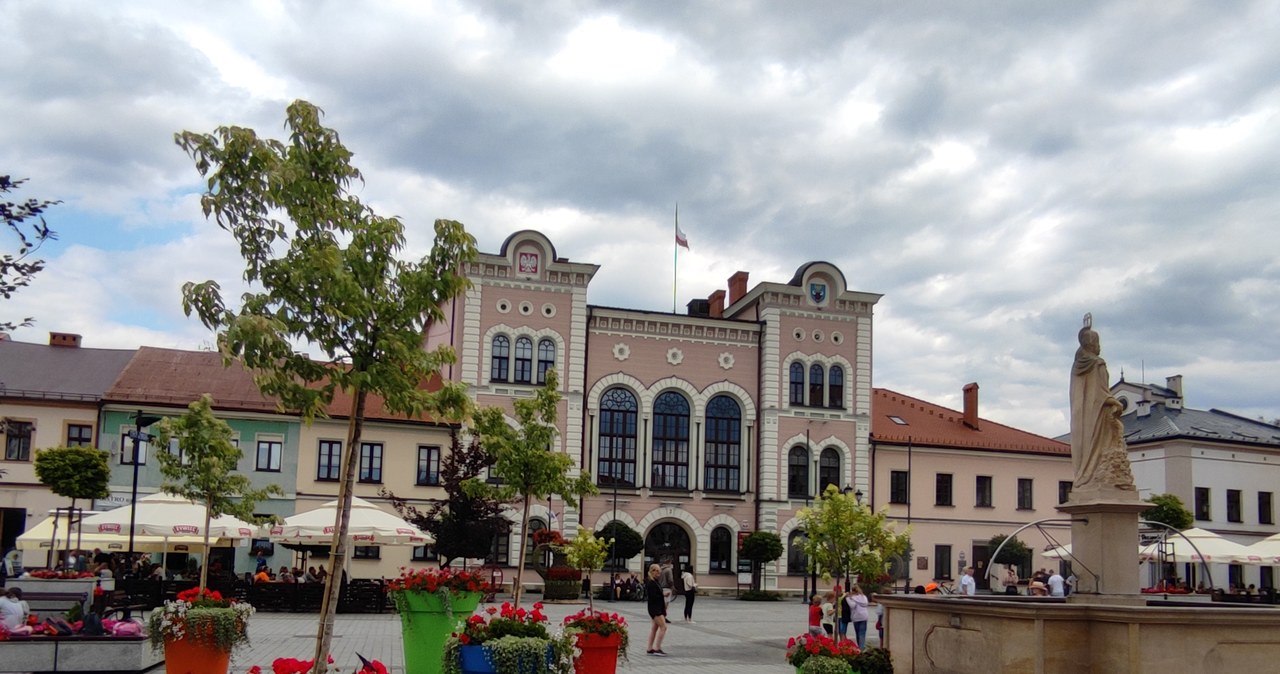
(675, 259)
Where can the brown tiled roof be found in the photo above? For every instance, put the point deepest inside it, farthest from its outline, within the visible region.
(936, 426)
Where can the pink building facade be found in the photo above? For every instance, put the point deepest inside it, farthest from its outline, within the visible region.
(697, 428)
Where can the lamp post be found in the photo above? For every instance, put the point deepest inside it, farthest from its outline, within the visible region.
(140, 421)
(613, 544)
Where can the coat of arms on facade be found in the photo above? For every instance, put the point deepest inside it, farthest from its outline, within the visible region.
(818, 292)
(528, 263)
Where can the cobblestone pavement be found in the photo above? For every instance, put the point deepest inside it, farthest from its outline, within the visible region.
(728, 637)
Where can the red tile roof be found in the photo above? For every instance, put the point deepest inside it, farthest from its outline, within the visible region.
(936, 426)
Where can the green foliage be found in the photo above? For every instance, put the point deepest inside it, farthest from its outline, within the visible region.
(873, 661)
(1015, 552)
(845, 536)
(524, 461)
(627, 542)
(74, 472)
(762, 547)
(587, 551)
(822, 664)
(206, 468)
(18, 268)
(1168, 509)
(518, 655)
(224, 629)
(759, 595)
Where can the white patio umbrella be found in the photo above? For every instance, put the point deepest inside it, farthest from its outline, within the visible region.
(1208, 547)
(53, 535)
(1057, 552)
(1267, 549)
(167, 516)
(370, 525)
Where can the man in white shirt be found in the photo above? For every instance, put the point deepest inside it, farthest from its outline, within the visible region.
(1056, 585)
(968, 586)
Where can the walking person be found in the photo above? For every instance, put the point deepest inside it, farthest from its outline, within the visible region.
(857, 602)
(690, 584)
(968, 586)
(657, 605)
(666, 580)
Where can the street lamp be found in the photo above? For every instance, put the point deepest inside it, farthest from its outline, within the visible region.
(140, 421)
(613, 543)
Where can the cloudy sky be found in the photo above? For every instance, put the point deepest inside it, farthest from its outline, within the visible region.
(995, 169)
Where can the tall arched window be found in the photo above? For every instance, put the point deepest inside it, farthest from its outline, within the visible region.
(721, 560)
(798, 472)
(501, 356)
(617, 438)
(797, 384)
(524, 360)
(670, 441)
(724, 444)
(815, 383)
(797, 561)
(835, 387)
(546, 358)
(828, 469)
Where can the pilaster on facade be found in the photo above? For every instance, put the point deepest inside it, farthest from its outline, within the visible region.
(576, 374)
(470, 354)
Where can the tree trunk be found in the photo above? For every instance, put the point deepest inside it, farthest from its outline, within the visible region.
(204, 568)
(524, 542)
(338, 549)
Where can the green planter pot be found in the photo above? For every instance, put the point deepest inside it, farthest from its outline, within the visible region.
(562, 589)
(426, 625)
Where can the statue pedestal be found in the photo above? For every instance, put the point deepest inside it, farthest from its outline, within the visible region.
(1104, 545)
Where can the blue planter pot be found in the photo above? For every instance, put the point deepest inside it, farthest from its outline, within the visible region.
(477, 660)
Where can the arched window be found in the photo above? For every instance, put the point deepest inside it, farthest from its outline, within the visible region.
(797, 561)
(798, 472)
(815, 382)
(721, 560)
(724, 444)
(617, 438)
(835, 387)
(500, 358)
(797, 384)
(670, 441)
(828, 469)
(535, 525)
(524, 360)
(546, 358)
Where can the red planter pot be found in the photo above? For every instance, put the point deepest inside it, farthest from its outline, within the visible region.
(599, 654)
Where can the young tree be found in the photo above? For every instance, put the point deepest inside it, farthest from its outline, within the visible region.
(627, 542)
(586, 553)
(761, 547)
(1168, 509)
(1014, 552)
(18, 268)
(74, 472)
(206, 468)
(524, 462)
(327, 276)
(845, 536)
(463, 525)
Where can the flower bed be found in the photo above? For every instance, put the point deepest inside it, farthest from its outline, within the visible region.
(508, 640)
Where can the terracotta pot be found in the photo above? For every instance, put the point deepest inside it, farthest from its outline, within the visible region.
(185, 656)
(599, 654)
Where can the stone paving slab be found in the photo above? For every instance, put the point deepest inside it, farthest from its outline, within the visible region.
(728, 637)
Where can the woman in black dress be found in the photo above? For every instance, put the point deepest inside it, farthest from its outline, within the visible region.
(657, 611)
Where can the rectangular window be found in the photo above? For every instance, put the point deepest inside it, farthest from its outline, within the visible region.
(269, 452)
(1233, 506)
(1266, 577)
(982, 492)
(899, 487)
(1064, 490)
(371, 462)
(126, 451)
(1265, 512)
(425, 553)
(1202, 504)
(1025, 501)
(428, 465)
(175, 449)
(17, 440)
(500, 553)
(943, 490)
(329, 460)
(79, 435)
(942, 561)
(366, 552)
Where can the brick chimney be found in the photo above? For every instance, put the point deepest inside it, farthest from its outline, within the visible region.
(971, 405)
(64, 339)
(717, 304)
(737, 286)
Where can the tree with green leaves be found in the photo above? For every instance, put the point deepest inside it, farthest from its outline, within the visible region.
(25, 220)
(586, 553)
(1014, 552)
(1168, 509)
(75, 473)
(463, 525)
(627, 542)
(525, 463)
(761, 547)
(206, 468)
(846, 537)
(324, 271)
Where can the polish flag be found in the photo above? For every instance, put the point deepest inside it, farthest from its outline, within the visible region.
(681, 239)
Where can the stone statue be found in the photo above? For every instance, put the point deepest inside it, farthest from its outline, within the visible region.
(1098, 451)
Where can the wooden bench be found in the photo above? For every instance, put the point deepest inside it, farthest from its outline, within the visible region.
(54, 601)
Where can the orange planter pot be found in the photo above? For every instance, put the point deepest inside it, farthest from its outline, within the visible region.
(599, 654)
(189, 657)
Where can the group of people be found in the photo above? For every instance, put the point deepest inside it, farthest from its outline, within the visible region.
(832, 613)
(627, 588)
(660, 589)
(1045, 583)
(264, 574)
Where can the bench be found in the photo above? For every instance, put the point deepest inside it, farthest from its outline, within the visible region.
(54, 601)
